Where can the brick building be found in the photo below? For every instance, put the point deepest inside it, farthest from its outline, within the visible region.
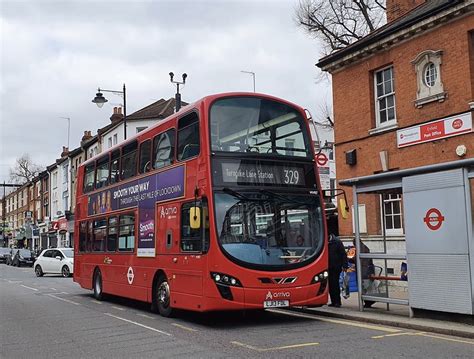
(403, 98)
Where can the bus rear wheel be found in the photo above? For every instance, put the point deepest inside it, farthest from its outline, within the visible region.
(163, 297)
(97, 285)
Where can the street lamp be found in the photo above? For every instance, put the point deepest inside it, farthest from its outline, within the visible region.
(99, 100)
(178, 95)
(68, 128)
(253, 76)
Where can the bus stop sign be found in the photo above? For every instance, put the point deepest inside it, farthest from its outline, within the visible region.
(433, 219)
(321, 159)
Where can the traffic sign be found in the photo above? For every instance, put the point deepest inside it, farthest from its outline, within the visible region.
(321, 159)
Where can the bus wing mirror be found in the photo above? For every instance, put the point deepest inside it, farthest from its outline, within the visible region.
(195, 217)
(344, 208)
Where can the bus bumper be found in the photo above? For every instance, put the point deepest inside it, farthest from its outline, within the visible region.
(260, 298)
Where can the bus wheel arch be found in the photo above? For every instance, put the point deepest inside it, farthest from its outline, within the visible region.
(97, 285)
(161, 297)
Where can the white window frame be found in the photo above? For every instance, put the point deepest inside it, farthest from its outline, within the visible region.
(427, 93)
(383, 215)
(387, 123)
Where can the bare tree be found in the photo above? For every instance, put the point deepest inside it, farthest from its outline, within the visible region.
(24, 170)
(339, 23)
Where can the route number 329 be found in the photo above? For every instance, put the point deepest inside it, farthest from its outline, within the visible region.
(291, 177)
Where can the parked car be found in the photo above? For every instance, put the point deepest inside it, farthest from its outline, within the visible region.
(55, 261)
(4, 253)
(22, 257)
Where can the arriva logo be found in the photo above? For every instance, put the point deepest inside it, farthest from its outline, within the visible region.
(277, 295)
(168, 211)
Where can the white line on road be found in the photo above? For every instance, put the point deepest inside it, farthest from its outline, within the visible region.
(144, 316)
(140, 325)
(63, 299)
(15, 281)
(25, 286)
(183, 327)
(118, 308)
(53, 288)
(96, 301)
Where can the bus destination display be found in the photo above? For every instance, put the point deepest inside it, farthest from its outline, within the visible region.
(258, 173)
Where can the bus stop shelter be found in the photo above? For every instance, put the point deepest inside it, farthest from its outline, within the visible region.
(438, 202)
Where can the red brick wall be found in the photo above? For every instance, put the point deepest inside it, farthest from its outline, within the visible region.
(354, 111)
(397, 8)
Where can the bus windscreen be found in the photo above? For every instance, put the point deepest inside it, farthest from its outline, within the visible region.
(249, 124)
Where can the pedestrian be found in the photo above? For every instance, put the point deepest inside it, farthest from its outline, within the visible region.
(367, 271)
(337, 263)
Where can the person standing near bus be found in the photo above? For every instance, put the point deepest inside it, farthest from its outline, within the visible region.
(337, 263)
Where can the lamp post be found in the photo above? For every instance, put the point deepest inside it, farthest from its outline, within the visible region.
(68, 129)
(99, 100)
(178, 95)
(253, 76)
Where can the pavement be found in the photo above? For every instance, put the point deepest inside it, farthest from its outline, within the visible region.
(399, 316)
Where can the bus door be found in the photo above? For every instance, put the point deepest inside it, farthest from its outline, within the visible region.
(193, 244)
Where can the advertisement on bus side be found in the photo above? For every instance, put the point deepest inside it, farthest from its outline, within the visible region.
(142, 193)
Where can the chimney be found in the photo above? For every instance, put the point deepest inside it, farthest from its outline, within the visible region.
(398, 8)
(87, 136)
(65, 152)
(117, 115)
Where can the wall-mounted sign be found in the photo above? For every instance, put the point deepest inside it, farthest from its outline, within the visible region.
(434, 219)
(435, 130)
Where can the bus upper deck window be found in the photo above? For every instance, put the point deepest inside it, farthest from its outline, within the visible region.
(115, 167)
(102, 172)
(89, 177)
(163, 149)
(188, 136)
(145, 157)
(128, 163)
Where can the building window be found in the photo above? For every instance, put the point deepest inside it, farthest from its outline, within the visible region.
(385, 97)
(110, 142)
(115, 139)
(65, 173)
(431, 73)
(392, 214)
(140, 129)
(428, 76)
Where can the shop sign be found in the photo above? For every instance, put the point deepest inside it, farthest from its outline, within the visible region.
(435, 130)
(53, 226)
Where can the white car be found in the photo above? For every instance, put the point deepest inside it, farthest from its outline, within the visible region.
(55, 261)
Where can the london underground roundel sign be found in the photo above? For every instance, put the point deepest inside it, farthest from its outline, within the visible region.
(321, 159)
(434, 219)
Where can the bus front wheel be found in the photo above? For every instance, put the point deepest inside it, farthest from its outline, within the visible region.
(163, 297)
(98, 293)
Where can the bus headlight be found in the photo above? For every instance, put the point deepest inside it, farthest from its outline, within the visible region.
(225, 279)
(320, 277)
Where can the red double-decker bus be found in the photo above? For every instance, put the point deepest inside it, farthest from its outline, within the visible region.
(217, 207)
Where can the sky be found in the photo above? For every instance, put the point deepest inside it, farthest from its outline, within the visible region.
(55, 54)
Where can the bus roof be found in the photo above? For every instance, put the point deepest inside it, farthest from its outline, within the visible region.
(207, 99)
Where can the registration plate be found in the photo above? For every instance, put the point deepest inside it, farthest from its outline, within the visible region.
(276, 303)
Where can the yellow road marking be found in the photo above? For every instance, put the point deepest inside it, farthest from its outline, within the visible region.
(425, 334)
(337, 321)
(446, 338)
(248, 346)
(183, 327)
(96, 301)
